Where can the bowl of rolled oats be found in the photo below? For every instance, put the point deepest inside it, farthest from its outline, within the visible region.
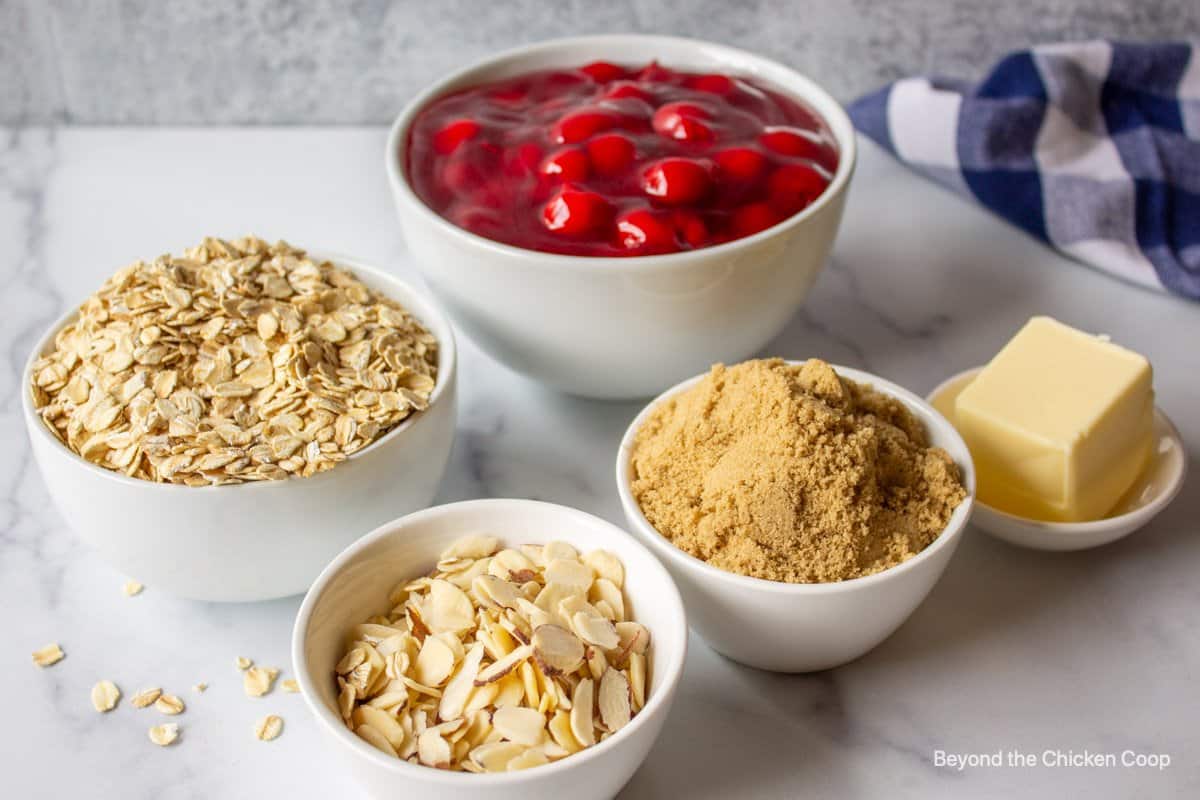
(221, 423)
(511, 647)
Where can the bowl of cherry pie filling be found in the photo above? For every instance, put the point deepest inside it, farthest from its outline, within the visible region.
(609, 214)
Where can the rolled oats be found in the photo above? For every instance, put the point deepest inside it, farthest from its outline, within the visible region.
(268, 728)
(257, 681)
(132, 588)
(163, 735)
(105, 695)
(168, 704)
(146, 697)
(238, 361)
(48, 655)
(498, 660)
(290, 685)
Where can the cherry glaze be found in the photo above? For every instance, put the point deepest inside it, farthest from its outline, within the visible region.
(606, 160)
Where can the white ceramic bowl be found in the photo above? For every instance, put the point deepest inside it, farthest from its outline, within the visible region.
(1153, 491)
(790, 627)
(357, 583)
(623, 327)
(254, 541)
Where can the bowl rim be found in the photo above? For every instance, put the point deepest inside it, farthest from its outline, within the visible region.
(799, 86)
(659, 543)
(657, 702)
(426, 310)
(1135, 518)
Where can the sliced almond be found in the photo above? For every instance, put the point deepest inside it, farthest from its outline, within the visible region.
(569, 572)
(496, 590)
(615, 709)
(511, 691)
(435, 662)
(449, 608)
(637, 680)
(495, 756)
(557, 650)
(522, 725)
(607, 591)
(498, 669)
(597, 631)
(375, 739)
(581, 713)
(472, 547)
(433, 750)
(530, 758)
(458, 690)
(381, 721)
(607, 566)
(105, 695)
(560, 731)
(553, 550)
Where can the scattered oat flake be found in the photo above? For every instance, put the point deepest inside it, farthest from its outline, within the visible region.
(146, 697)
(257, 681)
(243, 662)
(268, 728)
(165, 734)
(169, 704)
(105, 695)
(200, 687)
(132, 588)
(48, 655)
(290, 685)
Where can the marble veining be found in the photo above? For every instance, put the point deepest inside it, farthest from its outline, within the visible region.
(338, 63)
(1097, 650)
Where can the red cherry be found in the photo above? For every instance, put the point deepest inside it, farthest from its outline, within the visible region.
(572, 212)
(677, 181)
(602, 71)
(462, 175)
(741, 163)
(794, 186)
(523, 159)
(682, 121)
(509, 95)
(646, 231)
(716, 84)
(448, 139)
(580, 125)
(654, 73)
(619, 90)
(567, 164)
(799, 143)
(752, 218)
(691, 228)
(610, 153)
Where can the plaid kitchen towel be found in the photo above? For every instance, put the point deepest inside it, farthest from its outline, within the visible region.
(1093, 147)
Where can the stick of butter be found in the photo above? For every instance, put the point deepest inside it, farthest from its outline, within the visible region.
(1060, 423)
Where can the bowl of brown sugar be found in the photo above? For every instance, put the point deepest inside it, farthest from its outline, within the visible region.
(805, 510)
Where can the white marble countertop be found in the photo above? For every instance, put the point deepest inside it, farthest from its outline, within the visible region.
(1014, 650)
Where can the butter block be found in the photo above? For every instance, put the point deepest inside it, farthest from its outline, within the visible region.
(1059, 424)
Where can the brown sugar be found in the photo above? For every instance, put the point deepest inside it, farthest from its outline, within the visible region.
(792, 473)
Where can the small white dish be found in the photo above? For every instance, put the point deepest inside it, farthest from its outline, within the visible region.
(1154, 489)
(357, 583)
(804, 627)
(254, 541)
(623, 327)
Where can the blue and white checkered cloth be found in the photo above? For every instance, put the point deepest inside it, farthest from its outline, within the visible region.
(1093, 147)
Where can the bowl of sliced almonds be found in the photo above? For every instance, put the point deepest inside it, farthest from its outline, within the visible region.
(513, 647)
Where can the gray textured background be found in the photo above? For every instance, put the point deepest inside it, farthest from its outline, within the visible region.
(278, 62)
